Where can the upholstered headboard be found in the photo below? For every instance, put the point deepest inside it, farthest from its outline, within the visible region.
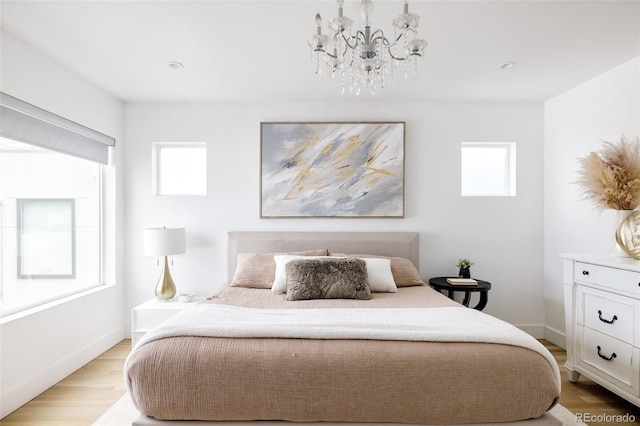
(400, 244)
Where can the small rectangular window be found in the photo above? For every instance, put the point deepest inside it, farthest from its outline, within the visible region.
(179, 168)
(488, 169)
(46, 238)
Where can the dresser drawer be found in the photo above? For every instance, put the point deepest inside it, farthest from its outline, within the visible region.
(616, 279)
(612, 357)
(614, 315)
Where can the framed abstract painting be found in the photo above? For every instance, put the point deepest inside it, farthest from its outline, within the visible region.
(339, 169)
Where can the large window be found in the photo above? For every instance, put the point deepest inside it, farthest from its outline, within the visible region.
(50, 227)
(50, 205)
(488, 169)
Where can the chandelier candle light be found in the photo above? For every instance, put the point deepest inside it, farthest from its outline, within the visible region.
(164, 242)
(364, 59)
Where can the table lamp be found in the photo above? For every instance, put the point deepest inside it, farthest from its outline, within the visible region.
(164, 242)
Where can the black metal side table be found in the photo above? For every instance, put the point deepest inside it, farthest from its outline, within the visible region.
(483, 287)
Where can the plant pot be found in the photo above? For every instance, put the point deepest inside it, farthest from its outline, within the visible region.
(464, 273)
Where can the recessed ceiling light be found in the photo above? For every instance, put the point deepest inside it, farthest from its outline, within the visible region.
(175, 65)
(507, 65)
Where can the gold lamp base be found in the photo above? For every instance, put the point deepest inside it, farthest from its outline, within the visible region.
(165, 289)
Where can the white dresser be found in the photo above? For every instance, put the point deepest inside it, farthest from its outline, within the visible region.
(602, 314)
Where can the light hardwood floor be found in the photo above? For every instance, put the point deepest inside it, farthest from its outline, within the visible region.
(83, 397)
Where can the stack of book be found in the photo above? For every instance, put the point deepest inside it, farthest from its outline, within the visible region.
(462, 281)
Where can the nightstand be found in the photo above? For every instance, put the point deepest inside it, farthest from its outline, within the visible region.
(151, 313)
(483, 287)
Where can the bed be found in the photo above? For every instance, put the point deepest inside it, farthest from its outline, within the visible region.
(408, 355)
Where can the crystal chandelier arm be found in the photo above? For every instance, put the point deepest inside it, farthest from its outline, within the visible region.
(397, 58)
(401, 58)
(378, 35)
(357, 39)
(415, 50)
(331, 55)
(386, 42)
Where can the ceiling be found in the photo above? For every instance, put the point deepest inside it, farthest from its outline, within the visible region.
(239, 51)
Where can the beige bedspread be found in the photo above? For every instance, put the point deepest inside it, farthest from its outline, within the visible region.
(407, 297)
(205, 378)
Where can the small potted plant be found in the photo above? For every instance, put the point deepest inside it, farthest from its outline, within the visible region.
(464, 265)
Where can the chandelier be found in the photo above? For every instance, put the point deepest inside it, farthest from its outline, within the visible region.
(366, 58)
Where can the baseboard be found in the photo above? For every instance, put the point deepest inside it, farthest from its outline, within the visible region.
(536, 331)
(545, 332)
(555, 337)
(33, 386)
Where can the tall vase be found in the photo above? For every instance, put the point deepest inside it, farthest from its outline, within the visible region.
(620, 216)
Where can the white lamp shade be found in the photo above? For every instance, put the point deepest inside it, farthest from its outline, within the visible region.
(163, 241)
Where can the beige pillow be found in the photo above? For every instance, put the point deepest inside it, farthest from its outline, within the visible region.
(258, 270)
(403, 270)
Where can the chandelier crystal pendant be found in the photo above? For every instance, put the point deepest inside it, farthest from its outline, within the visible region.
(367, 58)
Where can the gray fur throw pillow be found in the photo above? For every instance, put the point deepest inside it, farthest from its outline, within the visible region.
(327, 279)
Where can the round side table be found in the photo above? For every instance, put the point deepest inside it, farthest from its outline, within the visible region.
(483, 287)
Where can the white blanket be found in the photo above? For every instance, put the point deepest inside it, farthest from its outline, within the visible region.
(445, 324)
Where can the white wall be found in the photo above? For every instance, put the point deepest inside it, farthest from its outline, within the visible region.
(576, 122)
(502, 235)
(42, 346)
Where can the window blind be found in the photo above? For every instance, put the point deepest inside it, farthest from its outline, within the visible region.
(29, 124)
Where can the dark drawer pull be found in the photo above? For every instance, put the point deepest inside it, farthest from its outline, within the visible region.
(585, 272)
(611, 321)
(613, 355)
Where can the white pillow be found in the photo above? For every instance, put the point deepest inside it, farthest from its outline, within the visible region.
(379, 273)
(280, 282)
(380, 276)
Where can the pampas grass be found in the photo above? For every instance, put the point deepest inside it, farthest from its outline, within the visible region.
(610, 178)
